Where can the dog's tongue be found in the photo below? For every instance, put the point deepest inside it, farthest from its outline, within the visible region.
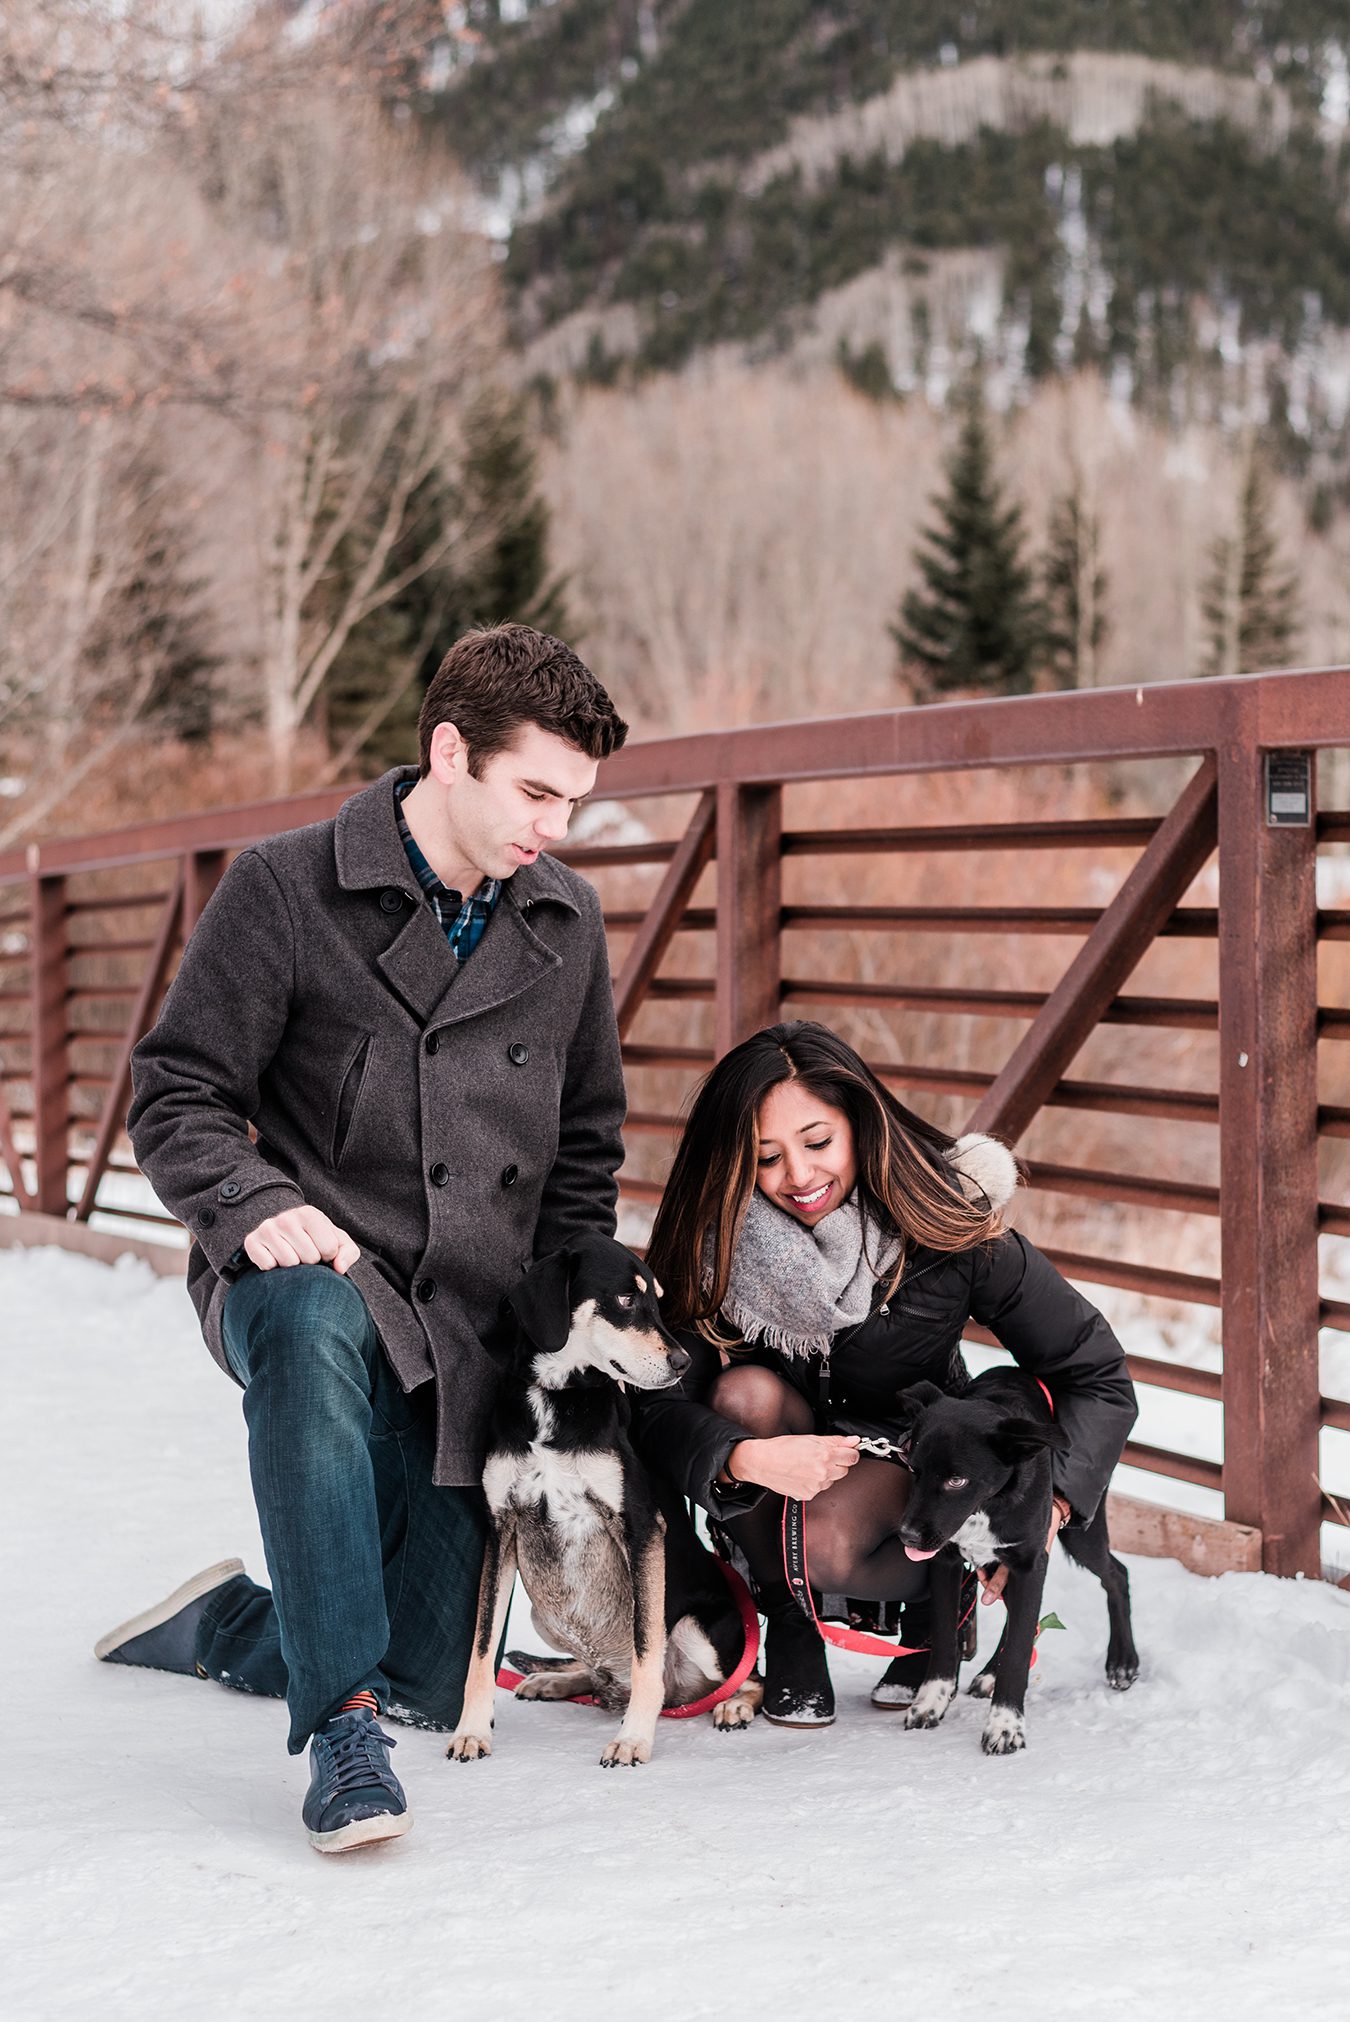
(913, 1552)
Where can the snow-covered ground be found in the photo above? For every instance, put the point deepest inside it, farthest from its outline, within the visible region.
(1178, 1852)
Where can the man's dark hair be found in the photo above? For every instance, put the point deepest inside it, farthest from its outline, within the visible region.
(493, 681)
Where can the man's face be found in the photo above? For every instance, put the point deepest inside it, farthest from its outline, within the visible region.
(522, 804)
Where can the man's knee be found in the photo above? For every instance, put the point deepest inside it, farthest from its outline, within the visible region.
(760, 1401)
(308, 1308)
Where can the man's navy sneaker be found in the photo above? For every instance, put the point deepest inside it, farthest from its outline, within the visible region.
(354, 1796)
(164, 1638)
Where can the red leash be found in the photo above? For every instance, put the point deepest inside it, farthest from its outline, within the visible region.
(799, 1576)
(799, 1580)
(749, 1622)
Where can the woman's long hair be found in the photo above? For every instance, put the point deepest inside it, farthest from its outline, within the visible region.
(904, 1181)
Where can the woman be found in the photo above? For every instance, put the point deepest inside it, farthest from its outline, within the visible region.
(820, 1249)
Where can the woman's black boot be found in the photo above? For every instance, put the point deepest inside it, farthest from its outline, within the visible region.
(797, 1688)
(895, 1688)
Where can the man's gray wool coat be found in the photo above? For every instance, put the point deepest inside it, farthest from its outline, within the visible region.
(456, 1122)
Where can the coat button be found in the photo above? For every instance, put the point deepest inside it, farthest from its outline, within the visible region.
(391, 901)
(426, 1290)
(433, 1042)
(439, 1174)
(518, 1054)
(206, 1219)
(228, 1189)
(510, 1176)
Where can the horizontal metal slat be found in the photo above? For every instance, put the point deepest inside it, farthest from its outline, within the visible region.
(695, 920)
(1147, 1278)
(667, 1056)
(1185, 1014)
(1180, 1466)
(1129, 833)
(596, 854)
(118, 902)
(1336, 1413)
(1111, 1186)
(1190, 922)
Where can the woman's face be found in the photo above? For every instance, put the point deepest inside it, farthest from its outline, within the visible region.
(807, 1159)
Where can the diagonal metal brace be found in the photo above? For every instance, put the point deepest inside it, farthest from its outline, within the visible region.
(1146, 900)
(653, 937)
(146, 1005)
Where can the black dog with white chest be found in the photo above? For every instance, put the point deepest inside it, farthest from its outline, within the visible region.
(982, 1492)
(613, 1576)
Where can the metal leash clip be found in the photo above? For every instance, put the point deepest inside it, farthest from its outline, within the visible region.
(885, 1449)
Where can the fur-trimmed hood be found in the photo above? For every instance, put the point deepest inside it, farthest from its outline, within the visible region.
(984, 1166)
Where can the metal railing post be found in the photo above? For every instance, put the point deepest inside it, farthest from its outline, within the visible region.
(749, 910)
(1268, 1150)
(202, 872)
(50, 1049)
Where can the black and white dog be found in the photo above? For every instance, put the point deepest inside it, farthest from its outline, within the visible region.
(611, 1563)
(981, 1492)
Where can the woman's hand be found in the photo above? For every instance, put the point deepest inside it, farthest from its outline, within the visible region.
(796, 1464)
(995, 1578)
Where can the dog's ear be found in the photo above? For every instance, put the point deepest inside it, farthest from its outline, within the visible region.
(912, 1403)
(1022, 1437)
(542, 1301)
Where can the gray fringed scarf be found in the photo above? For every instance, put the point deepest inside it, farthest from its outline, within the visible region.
(813, 1281)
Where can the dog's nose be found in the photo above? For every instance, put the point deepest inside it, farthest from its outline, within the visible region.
(678, 1360)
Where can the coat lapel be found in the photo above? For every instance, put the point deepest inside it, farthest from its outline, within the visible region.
(418, 964)
(508, 960)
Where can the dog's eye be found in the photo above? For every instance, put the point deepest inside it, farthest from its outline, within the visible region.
(625, 1301)
(957, 1481)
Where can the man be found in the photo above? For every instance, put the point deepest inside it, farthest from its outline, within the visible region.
(411, 1005)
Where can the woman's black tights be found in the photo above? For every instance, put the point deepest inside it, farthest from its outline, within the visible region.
(851, 1526)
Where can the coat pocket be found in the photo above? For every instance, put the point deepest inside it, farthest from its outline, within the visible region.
(349, 1094)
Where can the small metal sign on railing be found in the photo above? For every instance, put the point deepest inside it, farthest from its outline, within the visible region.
(1288, 789)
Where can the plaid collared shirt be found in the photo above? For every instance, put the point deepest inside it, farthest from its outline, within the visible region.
(464, 921)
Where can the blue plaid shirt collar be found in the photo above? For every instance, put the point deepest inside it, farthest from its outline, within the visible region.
(463, 920)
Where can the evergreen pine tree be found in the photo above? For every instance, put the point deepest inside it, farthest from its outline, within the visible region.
(975, 621)
(153, 637)
(496, 489)
(1074, 592)
(1250, 603)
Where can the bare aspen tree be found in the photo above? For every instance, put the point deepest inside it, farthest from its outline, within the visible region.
(222, 269)
(375, 316)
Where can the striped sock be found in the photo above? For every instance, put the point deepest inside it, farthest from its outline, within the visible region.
(360, 1702)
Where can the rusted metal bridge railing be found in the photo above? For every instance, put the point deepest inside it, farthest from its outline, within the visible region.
(711, 943)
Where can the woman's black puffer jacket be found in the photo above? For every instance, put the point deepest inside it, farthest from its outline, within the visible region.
(1048, 1326)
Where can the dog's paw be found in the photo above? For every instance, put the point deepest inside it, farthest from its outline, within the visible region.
(1006, 1732)
(733, 1713)
(931, 1701)
(554, 1685)
(626, 1752)
(981, 1685)
(467, 1747)
(1120, 1677)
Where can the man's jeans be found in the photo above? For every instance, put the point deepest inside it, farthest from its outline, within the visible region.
(374, 1571)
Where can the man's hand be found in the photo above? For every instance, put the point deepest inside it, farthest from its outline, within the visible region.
(796, 1464)
(300, 1236)
(994, 1582)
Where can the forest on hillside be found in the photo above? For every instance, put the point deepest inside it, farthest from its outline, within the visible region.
(290, 393)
